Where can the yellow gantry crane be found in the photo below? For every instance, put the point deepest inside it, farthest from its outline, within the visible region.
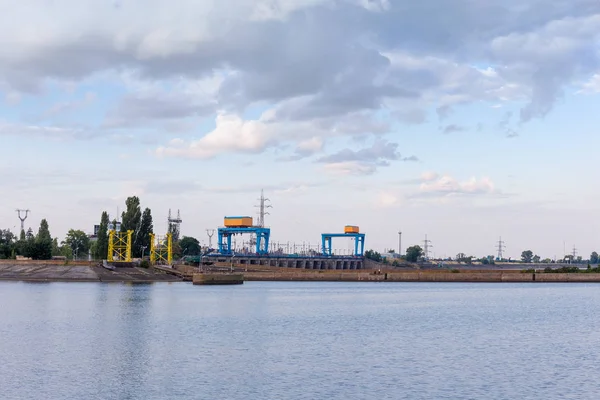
(119, 246)
(161, 249)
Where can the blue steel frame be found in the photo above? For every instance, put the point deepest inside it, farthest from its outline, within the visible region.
(262, 238)
(359, 242)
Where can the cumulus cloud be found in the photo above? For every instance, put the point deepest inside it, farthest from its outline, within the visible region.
(69, 106)
(381, 152)
(136, 110)
(429, 176)
(453, 128)
(51, 132)
(364, 161)
(231, 134)
(350, 168)
(446, 185)
(306, 148)
(317, 63)
(386, 199)
(592, 85)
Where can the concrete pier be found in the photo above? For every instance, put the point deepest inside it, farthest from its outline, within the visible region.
(217, 279)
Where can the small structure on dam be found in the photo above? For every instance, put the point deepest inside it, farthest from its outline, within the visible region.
(241, 225)
(350, 231)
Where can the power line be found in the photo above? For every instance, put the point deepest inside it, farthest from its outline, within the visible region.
(23, 218)
(427, 245)
(174, 225)
(262, 206)
(210, 233)
(500, 247)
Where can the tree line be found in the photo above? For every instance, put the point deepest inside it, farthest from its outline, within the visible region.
(415, 253)
(77, 244)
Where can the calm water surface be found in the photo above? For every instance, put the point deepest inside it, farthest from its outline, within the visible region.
(275, 340)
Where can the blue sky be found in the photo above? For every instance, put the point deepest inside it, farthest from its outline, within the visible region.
(380, 114)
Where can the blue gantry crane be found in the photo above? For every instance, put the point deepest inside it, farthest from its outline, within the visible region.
(238, 226)
(350, 231)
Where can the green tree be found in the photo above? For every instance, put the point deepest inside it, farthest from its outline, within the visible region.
(527, 256)
(413, 253)
(594, 258)
(43, 242)
(189, 246)
(463, 258)
(94, 249)
(22, 235)
(536, 259)
(141, 241)
(373, 255)
(78, 242)
(7, 244)
(131, 217)
(56, 250)
(66, 251)
(177, 251)
(101, 247)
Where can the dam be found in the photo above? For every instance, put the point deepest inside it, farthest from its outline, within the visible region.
(292, 262)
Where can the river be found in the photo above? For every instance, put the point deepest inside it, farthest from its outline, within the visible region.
(299, 340)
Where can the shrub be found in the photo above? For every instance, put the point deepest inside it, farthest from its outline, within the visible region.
(145, 264)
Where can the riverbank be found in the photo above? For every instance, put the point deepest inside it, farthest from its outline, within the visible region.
(420, 276)
(53, 271)
(83, 272)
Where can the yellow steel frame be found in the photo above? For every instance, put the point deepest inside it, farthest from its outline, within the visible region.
(161, 249)
(119, 246)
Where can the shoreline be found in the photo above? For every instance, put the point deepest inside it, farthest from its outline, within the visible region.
(40, 272)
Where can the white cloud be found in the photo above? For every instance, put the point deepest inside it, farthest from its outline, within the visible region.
(311, 145)
(592, 85)
(386, 199)
(350, 168)
(429, 176)
(447, 185)
(231, 134)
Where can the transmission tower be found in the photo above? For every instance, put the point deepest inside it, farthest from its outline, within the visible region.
(174, 226)
(23, 218)
(427, 245)
(501, 247)
(210, 233)
(262, 207)
(574, 252)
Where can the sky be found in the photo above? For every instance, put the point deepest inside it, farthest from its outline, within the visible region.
(462, 120)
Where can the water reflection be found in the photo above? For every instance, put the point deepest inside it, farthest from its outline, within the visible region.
(297, 340)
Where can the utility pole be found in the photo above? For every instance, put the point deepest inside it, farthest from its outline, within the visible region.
(427, 245)
(500, 249)
(399, 243)
(174, 225)
(23, 218)
(210, 233)
(262, 206)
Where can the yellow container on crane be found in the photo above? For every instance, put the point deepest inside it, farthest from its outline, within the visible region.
(351, 229)
(238, 222)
